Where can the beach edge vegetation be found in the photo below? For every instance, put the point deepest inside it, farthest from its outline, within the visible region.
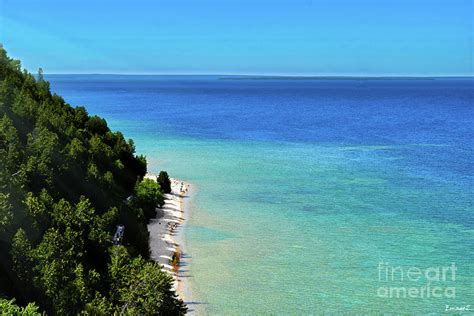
(66, 183)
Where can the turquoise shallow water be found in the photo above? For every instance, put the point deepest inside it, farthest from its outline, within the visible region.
(305, 187)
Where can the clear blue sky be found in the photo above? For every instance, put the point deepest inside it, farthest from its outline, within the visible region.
(292, 37)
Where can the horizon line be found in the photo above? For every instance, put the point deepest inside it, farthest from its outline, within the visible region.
(264, 76)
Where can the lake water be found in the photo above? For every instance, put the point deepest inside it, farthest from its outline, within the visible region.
(312, 195)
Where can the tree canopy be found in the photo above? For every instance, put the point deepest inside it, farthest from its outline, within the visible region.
(10, 308)
(164, 181)
(66, 182)
(147, 196)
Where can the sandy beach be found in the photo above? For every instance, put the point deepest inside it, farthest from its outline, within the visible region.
(166, 236)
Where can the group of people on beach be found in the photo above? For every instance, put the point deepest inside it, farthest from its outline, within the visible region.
(172, 226)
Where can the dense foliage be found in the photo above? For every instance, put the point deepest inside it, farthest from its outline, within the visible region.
(66, 182)
(164, 181)
(147, 195)
(10, 308)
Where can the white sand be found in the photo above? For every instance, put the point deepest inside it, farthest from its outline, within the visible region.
(164, 239)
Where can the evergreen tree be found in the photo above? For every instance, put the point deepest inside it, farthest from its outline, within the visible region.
(164, 182)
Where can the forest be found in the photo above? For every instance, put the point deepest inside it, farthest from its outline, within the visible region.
(66, 182)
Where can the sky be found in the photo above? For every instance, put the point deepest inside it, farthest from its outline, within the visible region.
(266, 37)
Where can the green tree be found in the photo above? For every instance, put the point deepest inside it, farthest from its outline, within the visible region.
(24, 104)
(80, 116)
(6, 212)
(76, 150)
(97, 125)
(140, 287)
(4, 96)
(9, 145)
(43, 85)
(58, 268)
(164, 182)
(21, 253)
(42, 149)
(147, 197)
(8, 308)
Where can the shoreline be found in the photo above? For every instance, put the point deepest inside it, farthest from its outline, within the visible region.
(167, 237)
(184, 287)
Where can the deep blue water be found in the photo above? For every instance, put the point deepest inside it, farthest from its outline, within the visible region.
(379, 169)
(324, 111)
